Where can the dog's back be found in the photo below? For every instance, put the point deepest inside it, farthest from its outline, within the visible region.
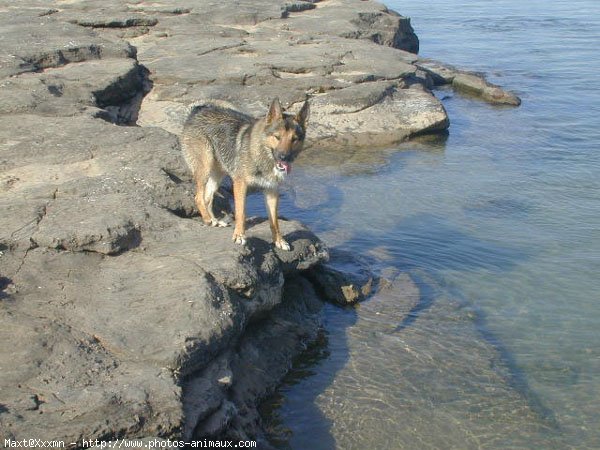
(219, 130)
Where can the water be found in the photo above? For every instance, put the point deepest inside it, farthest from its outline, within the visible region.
(499, 227)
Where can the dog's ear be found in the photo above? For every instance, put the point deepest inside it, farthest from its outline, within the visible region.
(302, 116)
(275, 111)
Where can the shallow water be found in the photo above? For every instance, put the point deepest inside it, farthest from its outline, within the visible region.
(498, 225)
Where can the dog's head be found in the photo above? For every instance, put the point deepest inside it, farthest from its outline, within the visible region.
(285, 134)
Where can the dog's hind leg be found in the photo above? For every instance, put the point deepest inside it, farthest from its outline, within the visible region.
(211, 187)
(207, 175)
(201, 182)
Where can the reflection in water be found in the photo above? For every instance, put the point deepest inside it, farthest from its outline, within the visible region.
(366, 160)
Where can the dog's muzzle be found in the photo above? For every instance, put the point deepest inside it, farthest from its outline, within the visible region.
(283, 162)
(283, 166)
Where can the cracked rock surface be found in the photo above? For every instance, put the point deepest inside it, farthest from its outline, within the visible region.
(361, 93)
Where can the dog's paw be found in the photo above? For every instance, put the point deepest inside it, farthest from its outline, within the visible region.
(282, 244)
(239, 239)
(218, 223)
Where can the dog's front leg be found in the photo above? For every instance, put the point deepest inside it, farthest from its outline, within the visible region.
(272, 201)
(240, 188)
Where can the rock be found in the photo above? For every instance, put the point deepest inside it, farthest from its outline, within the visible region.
(111, 84)
(357, 19)
(86, 225)
(292, 7)
(253, 369)
(440, 73)
(193, 318)
(340, 287)
(386, 28)
(470, 83)
(369, 126)
(345, 280)
(266, 352)
(32, 45)
(115, 21)
(326, 53)
(65, 385)
(218, 421)
(94, 332)
(474, 85)
(204, 394)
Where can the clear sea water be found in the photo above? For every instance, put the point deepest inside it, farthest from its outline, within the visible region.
(498, 224)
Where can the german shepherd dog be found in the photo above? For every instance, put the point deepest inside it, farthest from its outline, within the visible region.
(218, 140)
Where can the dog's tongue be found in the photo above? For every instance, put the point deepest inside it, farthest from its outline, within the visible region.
(287, 168)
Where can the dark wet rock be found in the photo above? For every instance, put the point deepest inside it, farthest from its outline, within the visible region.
(221, 399)
(345, 279)
(266, 352)
(340, 287)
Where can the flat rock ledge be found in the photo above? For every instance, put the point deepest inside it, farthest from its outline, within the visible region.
(352, 58)
(122, 315)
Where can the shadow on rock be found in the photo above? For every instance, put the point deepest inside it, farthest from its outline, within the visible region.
(313, 372)
(4, 283)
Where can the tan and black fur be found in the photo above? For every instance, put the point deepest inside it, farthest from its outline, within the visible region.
(218, 140)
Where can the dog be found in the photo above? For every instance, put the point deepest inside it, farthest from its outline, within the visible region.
(218, 140)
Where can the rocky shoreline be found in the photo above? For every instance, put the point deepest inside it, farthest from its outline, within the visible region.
(122, 315)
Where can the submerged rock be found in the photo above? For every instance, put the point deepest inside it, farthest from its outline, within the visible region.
(344, 280)
(470, 83)
(340, 287)
(477, 86)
